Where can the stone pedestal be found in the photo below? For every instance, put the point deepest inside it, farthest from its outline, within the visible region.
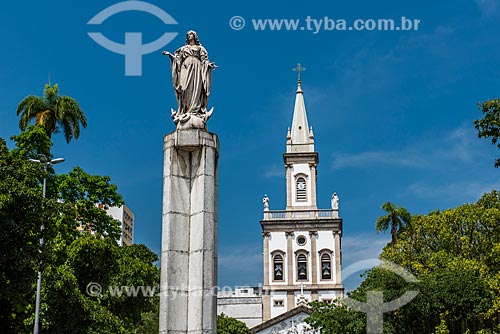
(188, 301)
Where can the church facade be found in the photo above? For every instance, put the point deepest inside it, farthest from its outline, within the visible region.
(302, 244)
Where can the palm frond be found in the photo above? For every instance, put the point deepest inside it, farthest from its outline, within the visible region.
(54, 112)
(29, 108)
(70, 116)
(382, 223)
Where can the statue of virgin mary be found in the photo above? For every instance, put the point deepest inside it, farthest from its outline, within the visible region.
(192, 80)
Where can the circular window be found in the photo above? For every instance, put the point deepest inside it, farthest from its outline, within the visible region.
(301, 240)
(300, 127)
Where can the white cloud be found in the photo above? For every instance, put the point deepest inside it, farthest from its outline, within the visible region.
(233, 257)
(363, 246)
(360, 247)
(364, 159)
(241, 263)
(487, 7)
(457, 146)
(274, 171)
(435, 42)
(466, 191)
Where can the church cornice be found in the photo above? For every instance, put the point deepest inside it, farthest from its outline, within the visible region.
(266, 290)
(301, 157)
(334, 225)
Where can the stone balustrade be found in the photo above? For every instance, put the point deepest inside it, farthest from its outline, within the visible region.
(300, 214)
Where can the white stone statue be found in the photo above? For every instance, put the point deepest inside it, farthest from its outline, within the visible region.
(192, 80)
(265, 201)
(335, 201)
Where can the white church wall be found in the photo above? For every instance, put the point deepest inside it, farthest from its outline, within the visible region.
(278, 303)
(326, 240)
(277, 241)
(327, 295)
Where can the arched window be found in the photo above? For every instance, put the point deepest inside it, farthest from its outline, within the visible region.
(278, 268)
(301, 190)
(326, 266)
(301, 267)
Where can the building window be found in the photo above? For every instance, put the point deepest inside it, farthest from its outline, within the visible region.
(279, 303)
(301, 190)
(326, 266)
(301, 240)
(302, 267)
(278, 268)
(327, 301)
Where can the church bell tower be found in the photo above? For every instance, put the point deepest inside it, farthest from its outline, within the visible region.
(302, 244)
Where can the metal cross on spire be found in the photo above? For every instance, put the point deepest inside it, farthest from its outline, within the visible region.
(298, 69)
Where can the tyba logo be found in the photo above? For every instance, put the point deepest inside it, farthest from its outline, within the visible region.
(375, 307)
(133, 49)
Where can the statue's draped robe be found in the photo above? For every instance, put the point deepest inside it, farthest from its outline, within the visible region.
(192, 79)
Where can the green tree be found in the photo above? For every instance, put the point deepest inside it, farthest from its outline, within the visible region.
(71, 259)
(136, 269)
(87, 196)
(70, 307)
(489, 125)
(336, 319)
(21, 214)
(455, 254)
(228, 325)
(150, 320)
(397, 218)
(56, 113)
(31, 142)
(454, 296)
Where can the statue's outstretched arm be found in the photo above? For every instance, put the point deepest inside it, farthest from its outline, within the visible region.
(166, 53)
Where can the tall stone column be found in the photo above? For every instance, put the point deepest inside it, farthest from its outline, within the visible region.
(188, 301)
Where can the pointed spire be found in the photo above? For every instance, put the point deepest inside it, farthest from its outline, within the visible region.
(300, 126)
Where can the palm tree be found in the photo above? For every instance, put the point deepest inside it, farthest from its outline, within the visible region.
(54, 112)
(397, 218)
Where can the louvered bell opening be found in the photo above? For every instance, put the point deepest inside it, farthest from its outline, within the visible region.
(301, 190)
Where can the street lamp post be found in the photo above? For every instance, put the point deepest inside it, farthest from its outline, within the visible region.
(42, 160)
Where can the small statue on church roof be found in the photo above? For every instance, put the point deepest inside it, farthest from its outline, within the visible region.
(265, 201)
(335, 201)
(192, 80)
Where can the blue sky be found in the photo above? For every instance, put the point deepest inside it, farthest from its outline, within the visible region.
(392, 111)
